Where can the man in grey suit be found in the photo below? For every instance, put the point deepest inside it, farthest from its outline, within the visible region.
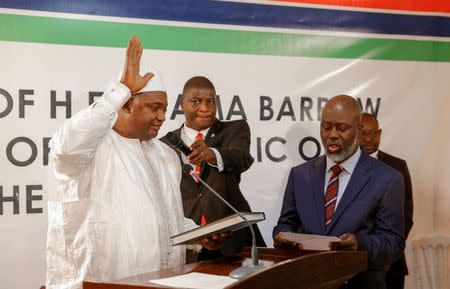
(369, 140)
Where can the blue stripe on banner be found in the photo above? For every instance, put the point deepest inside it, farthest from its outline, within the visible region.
(248, 14)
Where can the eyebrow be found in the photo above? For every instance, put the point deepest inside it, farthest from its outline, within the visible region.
(156, 102)
(336, 123)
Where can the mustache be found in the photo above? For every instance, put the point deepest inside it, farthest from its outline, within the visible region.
(329, 142)
(157, 123)
(345, 152)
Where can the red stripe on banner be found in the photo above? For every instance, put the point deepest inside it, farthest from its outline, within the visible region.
(407, 5)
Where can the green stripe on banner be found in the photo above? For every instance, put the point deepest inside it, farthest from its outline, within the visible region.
(113, 34)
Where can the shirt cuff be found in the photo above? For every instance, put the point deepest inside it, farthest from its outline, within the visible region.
(219, 159)
(195, 247)
(117, 94)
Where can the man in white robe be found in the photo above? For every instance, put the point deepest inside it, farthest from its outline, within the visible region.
(113, 193)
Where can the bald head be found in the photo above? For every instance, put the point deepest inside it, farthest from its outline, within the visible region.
(339, 127)
(344, 104)
(367, 118)
(198, 82)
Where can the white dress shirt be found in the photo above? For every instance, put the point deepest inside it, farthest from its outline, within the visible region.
(348, 166)
(374, 154)
(189, 136)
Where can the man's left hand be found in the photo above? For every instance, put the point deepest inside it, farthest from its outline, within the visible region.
(216, 241)
(201, 153)
(348, 242)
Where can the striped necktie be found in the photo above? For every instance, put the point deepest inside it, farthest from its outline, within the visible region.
(331, 193)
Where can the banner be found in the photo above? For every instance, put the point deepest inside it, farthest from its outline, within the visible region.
(273, 63)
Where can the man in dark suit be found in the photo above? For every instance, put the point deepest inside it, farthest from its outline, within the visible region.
(369, 140)
(220, 152)
(347, 194)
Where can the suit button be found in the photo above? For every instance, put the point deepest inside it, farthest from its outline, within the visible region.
(199, 195)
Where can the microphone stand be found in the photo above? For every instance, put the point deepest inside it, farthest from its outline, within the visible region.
(242, 271)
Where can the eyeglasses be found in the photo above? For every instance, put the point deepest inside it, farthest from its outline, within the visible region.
(371, 133)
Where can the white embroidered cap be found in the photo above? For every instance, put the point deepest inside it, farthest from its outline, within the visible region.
(154, 84)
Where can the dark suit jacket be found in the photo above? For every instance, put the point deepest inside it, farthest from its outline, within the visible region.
(232, 141)
(371, 208)
(399, 266)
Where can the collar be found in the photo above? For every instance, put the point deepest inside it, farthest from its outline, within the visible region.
(191, 134)
(348, 165)
(125, 139)
(374, 154)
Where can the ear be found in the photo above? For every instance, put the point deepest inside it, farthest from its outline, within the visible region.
(128, 105)
(182, 103)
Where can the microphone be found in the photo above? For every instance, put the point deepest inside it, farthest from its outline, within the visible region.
(176, 142)
(242, 271)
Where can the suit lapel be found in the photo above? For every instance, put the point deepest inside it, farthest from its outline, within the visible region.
(213, 131)
(357, 181)
(381, 155)
(317, 184)
(210, 138)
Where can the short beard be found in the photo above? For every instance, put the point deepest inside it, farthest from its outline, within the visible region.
(339, 157)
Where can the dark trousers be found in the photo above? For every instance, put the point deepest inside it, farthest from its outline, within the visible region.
(394, 280)
(203, 255)
(206, 254)
(367, 280)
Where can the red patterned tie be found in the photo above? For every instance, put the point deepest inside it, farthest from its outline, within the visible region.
(331, 193)
(197, 172)
(197, 167)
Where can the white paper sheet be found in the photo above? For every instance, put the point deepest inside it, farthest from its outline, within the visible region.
(311, 242)
(197, 281)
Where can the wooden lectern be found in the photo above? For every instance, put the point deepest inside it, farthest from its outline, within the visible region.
(291, 268)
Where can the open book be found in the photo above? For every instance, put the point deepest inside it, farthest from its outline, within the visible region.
(311, 242)
(230, 223)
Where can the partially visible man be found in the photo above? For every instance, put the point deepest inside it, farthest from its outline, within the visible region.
(113, 194)
(369, 140)
(348, 194)
(220, 153)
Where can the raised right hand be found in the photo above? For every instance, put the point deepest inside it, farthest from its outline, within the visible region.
(131, 77)
(279, 241)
